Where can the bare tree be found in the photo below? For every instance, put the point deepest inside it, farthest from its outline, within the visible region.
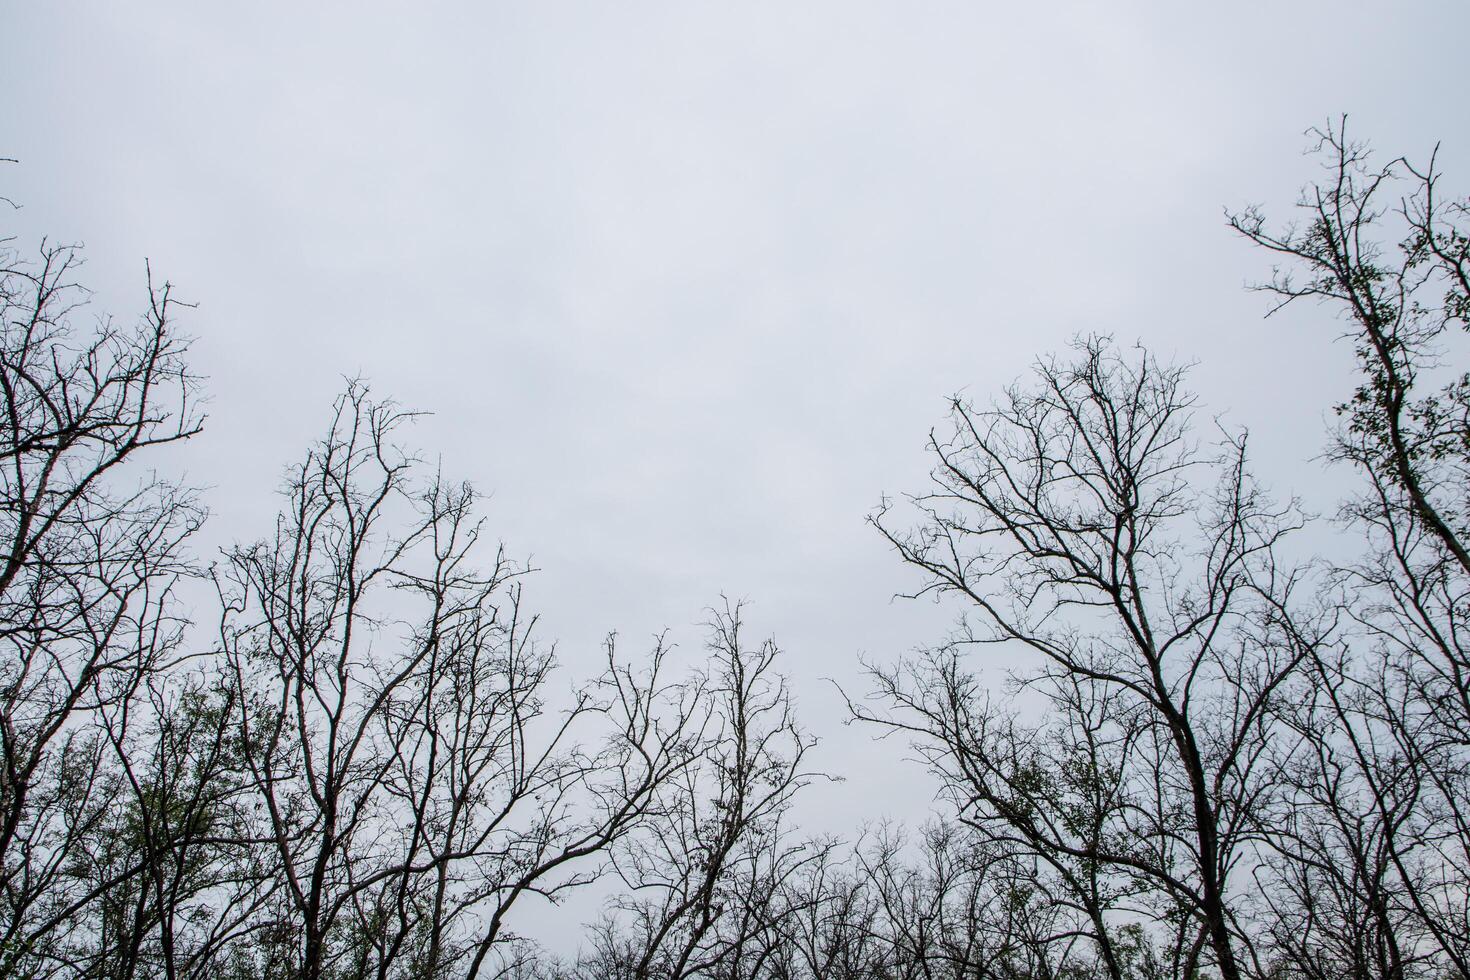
(1389, 733)
(90, 549)
(706, 875)
(1084, 527)
(956, 904)
(392, 712)
(180, 815)
(830, 928)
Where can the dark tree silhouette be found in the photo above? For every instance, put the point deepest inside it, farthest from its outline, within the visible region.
(1204, 761)
(91, 546)
(1380, 828)
(1082, 524)
(705, 875)
(391, 711)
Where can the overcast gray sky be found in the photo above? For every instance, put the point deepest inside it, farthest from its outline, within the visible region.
(685, 285)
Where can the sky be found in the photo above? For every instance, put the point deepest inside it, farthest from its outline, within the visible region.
(683, 287)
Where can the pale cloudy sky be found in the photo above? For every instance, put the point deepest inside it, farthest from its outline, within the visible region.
(684, 285)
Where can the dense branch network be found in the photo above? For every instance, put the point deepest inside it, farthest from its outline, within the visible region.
(1163, 747)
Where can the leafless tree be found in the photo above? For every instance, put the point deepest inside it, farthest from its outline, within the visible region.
(706, 876)
(1389, 748)
(829, 929)
(91, 547)
(1084, 527)
(392, 712)
(180, 815)
(949, 904)
(958, 904)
